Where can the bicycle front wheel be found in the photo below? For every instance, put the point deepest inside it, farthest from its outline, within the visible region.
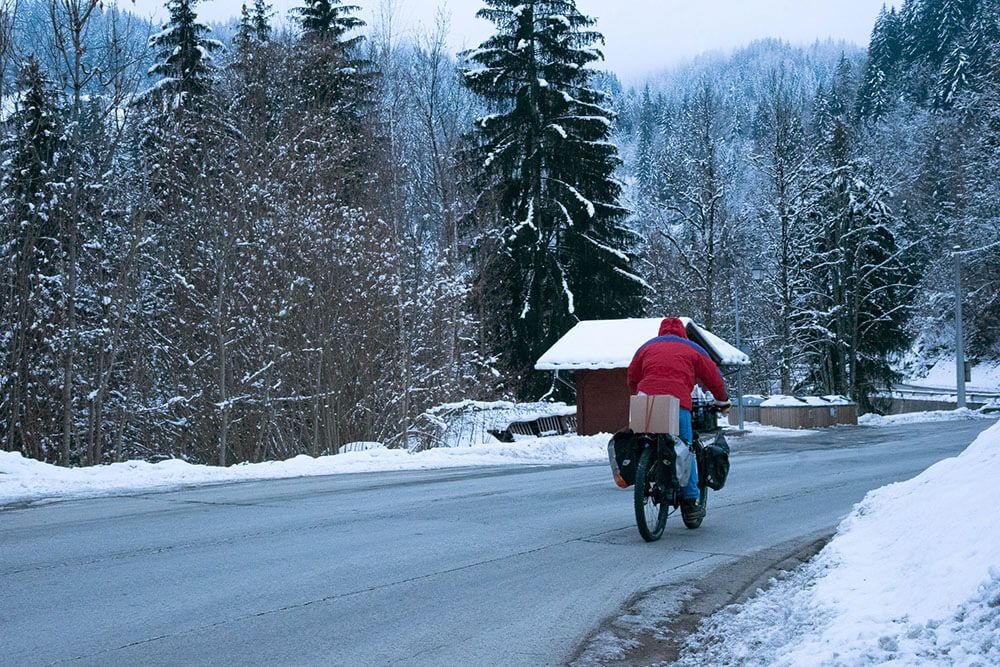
(651, 503)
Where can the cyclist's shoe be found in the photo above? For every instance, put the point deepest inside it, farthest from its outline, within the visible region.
(691, 510)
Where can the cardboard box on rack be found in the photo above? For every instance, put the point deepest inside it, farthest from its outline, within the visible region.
(655, 414)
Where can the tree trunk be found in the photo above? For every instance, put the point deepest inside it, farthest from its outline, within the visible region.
(220, 332)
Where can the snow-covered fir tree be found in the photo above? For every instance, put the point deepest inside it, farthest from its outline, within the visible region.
(261, 21)
(555, 249)
(31, 249)
(183, 53)
(245, 33)
(646, 172)
(875, 96)
(335, 74)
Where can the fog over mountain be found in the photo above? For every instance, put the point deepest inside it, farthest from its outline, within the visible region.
(642, 35)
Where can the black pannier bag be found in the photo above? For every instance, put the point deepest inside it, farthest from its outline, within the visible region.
(625, 449)
(716, 458)
(623, 453)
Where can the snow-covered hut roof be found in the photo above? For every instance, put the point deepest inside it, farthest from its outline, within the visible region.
(605, 344)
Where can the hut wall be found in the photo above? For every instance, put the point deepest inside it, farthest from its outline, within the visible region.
(602, 400)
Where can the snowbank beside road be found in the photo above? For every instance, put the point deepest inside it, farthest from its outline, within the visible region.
(912, 577)
(755, 430)
(920, 417)
(26, 480)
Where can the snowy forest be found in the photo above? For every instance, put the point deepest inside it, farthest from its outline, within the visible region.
(285, 234)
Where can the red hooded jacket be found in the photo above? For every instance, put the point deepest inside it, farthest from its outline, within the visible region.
(671, 365)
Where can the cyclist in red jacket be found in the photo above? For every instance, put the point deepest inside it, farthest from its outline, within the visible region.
(671, 365)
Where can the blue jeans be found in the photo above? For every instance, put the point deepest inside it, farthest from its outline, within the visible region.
(691, 491)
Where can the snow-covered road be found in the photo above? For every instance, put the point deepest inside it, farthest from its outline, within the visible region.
(510, 565)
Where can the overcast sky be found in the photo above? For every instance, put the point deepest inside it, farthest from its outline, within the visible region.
(642, 35)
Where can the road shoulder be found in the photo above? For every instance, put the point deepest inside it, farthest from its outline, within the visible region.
(652, 626)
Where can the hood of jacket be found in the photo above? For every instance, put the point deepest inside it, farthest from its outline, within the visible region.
(672, 326)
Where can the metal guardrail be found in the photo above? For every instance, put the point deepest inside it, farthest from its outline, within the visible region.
(911, 397)
(971, 395)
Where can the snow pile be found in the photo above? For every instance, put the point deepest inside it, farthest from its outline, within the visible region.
(27, 480)
(873, 419)
(755, 430)
(910, 578)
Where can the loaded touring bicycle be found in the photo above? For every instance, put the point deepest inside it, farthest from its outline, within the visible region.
(657, 466)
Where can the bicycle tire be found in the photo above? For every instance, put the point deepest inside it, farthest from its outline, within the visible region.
(650, 515)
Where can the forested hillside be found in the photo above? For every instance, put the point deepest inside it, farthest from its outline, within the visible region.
(847, 178)
(296, 238)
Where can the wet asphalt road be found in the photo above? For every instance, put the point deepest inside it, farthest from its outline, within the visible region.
(500, 566)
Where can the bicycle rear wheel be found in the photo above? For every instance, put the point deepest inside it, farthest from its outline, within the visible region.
(651, 502)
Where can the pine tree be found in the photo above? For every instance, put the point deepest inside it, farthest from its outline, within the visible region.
(330, 21)
(182, 117)
(645, 158)
(334, 74)
(950, 19)
(833, 117)
(183, 55)
(254, 28)
(955, 78)
(875, 96)
(245, 33)
(982, 42)
(556, 251)
(968, 34)
(851, 303)
(30, 192)
(262, 21)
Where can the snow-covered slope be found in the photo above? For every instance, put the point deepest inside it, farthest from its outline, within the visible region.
(985, 376)
(912, 577)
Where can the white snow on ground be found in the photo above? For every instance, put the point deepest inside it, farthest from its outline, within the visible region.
(920, 417)
(755, 430)
(27, 480)
(985, 376)
(911, 578)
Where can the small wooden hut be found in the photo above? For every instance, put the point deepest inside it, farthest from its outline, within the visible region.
(799, 412)
(597, 354)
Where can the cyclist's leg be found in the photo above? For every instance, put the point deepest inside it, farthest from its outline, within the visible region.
(691, 491)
